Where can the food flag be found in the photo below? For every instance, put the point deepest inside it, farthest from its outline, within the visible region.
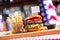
(47, 11)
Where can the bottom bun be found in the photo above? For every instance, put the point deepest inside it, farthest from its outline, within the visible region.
(33, 29)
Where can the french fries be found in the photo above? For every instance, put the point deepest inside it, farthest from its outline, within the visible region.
(17, 23)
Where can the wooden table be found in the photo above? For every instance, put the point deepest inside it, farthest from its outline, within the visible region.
(30, 34)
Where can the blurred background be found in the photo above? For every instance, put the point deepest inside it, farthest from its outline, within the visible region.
(25, 7)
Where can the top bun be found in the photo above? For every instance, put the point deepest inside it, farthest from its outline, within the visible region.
(33, 16)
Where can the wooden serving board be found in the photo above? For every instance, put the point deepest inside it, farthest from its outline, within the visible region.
(30, 34)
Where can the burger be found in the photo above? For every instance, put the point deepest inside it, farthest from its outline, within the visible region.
(33, 23)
